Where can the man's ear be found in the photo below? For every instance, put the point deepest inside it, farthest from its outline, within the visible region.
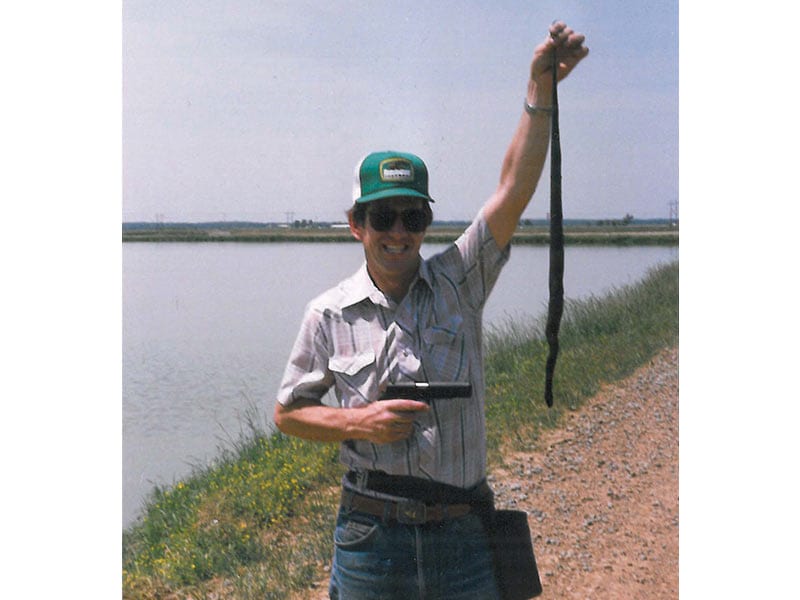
(355, 229)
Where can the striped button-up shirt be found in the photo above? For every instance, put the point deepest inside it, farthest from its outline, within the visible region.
(355, 340)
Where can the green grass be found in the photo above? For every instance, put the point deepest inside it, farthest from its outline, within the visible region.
(214, 522)
(601, 340)
(257, 524)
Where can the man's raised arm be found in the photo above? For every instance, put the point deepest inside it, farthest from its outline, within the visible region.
(525, 157)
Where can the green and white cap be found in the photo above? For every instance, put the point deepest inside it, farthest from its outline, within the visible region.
(388, 174)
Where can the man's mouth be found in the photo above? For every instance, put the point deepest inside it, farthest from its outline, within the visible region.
(394, 249)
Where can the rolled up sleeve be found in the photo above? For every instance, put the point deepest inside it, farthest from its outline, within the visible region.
(307, 375)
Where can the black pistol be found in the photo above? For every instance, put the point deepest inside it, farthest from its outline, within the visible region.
(433, 390)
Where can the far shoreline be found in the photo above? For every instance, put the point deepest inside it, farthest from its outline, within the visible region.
(613, 234)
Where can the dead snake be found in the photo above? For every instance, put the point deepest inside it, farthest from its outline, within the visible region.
(555, 306)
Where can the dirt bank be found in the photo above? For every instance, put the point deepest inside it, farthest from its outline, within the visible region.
(602, 491)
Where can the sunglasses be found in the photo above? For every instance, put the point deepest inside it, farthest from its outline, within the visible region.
(415, 220)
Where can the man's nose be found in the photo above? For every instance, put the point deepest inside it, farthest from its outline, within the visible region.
(397, 226)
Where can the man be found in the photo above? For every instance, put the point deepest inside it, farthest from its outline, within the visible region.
(410, 521)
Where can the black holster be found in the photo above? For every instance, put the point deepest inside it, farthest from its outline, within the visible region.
(512, 550)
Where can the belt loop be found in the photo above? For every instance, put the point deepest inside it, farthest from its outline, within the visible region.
(361, 479)
(387, 511)
(347, 498)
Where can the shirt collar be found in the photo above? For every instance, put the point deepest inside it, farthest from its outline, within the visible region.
(425, 273)
(360, 287)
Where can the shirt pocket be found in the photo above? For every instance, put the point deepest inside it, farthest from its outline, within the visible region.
(445, 353)
(355, 375)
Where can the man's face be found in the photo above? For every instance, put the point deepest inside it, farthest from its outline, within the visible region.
(392, 255)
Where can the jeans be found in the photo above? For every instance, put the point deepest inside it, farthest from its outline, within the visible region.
(438, 561)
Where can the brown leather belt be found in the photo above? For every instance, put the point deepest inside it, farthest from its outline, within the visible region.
(408, 512)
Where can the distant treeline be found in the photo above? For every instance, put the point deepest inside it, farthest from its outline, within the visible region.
(531, 231)
(310, 224)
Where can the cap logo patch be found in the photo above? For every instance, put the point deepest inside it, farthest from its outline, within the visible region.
(396, 169)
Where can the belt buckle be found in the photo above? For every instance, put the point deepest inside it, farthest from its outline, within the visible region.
(411, 512)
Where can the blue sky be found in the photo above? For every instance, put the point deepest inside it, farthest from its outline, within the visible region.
(251, 110)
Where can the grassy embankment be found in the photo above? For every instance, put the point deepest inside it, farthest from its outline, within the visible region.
(620, 235)
(257, 524)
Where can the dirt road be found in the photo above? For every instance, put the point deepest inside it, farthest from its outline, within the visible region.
(601, 492)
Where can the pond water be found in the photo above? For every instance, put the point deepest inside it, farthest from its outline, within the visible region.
(207, 329)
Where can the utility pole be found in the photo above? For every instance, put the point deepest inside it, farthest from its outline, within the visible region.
(673, 213)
